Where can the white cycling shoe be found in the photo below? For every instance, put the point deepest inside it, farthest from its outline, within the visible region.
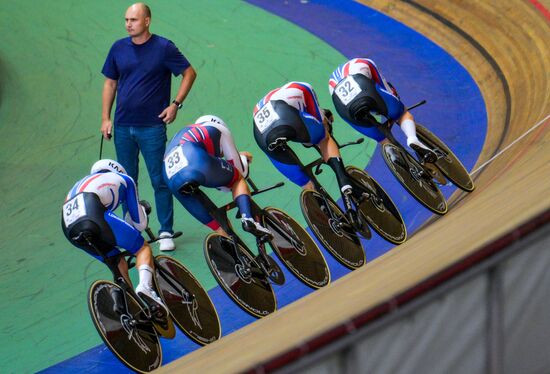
(253, 227)
(150, 297)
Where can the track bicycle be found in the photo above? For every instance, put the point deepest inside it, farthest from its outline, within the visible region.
(367, 205)
(130, 327)
(245, 277)
(419, 177)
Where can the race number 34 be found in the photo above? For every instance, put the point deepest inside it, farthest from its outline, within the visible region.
(265, 117)
(74, 209)
(347, 90)
(175, 161)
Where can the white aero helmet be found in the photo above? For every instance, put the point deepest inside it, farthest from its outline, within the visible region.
(107, 165)
(211, 118)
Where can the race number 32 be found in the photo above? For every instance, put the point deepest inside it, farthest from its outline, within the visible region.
(175, 161)
(74, 209)
(347, 90)
(265, 117)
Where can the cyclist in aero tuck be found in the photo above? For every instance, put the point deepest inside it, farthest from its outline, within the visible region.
(89, 223)
(204, 154)
(292, 113)
(361, 96)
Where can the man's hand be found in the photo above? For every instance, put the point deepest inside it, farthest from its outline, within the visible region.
(106, 128)
(168, 115)
(248, 156)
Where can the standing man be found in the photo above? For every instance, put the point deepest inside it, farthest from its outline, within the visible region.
(137, 71)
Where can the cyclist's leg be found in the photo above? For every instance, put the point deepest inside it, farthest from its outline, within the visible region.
(95, 228)
(282, 159)
(129, 238)
(250, 223)
(329, 149)
(190, 201)
(397, 112)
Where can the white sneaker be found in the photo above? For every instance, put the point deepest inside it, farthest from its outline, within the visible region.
(148, 294)
(165, 242)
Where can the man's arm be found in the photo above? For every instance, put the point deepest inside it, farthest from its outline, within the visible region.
(169, 114)
(109, 93)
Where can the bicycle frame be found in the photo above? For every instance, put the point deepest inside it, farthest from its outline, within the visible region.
(174, 283)
(118, 278)
(308, 169)
(220, 215)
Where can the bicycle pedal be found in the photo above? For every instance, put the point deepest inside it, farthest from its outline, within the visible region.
(362, 197)
(266, 238)
(424, 155)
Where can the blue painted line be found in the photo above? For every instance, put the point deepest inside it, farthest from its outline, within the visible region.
(420, 70)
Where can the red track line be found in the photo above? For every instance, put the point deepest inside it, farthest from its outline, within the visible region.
(545, 12)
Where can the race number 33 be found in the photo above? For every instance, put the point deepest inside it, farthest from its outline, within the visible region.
(265, 117)
(347, 90)
(74, 209)
(175, 161)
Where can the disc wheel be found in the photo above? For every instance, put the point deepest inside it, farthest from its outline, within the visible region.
(378, 209)
(330, 226)
(296, 248)
(414, 178)
(246, 284)
(189, 304)
(127, 334)
(447, 161)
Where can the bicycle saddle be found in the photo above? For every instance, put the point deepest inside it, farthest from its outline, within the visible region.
(279, 142)
(83, 237)
(188, 188)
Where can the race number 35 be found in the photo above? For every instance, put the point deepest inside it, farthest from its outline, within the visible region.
(175, 161)
(265, 117)
(74, 209)
(347, 90)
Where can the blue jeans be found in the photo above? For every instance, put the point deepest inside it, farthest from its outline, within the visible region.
(151, 141)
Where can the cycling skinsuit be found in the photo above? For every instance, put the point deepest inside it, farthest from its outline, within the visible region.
(290, 112)
(194, 155)
(356, 80)
(89, 207)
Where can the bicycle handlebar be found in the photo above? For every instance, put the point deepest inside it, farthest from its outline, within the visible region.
(257, 191)
(358, 141)
(417, 105)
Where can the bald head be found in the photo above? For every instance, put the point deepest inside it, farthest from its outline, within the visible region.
(138, 19)
(141, 8)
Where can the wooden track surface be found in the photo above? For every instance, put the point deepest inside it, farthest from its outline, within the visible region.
(504, 45)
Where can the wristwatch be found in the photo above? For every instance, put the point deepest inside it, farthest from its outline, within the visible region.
(178, 104)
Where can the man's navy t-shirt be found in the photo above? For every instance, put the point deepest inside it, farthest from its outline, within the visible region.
(143, 75)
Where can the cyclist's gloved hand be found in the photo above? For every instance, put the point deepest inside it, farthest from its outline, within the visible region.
(145, 204)
(328, 119)
(328, 114)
